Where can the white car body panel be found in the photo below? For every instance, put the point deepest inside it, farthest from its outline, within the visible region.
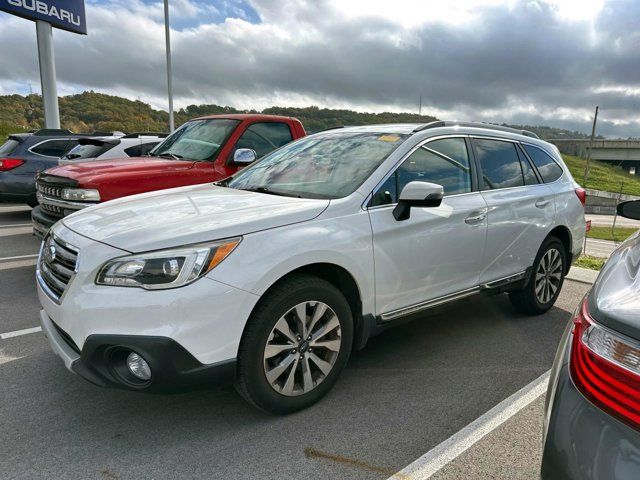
(431, 254)
(517, 228)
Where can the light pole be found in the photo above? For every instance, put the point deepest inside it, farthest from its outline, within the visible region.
(47, 74)
(167, 34)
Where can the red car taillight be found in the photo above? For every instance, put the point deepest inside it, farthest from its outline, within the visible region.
(605, 367)
(9, 164)
(582, 195)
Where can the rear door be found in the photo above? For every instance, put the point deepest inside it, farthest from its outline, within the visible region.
(437, 251)
(521, 210)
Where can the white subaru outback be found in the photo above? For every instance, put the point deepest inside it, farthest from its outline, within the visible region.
(270, 278)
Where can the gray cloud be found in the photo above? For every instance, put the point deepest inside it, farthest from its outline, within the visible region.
(523, 64)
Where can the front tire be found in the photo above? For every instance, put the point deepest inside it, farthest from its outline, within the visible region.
(295, 345)
(545, 282)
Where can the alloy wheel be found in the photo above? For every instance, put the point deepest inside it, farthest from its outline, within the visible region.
(302, 348)
(548, 275)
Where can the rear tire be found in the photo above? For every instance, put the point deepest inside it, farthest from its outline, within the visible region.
(280, 371)
(545, 282)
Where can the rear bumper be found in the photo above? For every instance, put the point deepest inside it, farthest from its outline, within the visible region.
(101, 361)
(582, 442)
(20, 198)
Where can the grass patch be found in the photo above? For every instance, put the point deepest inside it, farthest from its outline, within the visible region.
(603, 176)
(620, 234)
(592, 263)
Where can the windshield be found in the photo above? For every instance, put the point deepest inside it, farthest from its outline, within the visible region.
(196, 140)
(330, 165)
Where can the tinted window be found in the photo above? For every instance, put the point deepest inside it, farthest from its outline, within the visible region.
(445, 162)
(196, 140)
(549, 170)
(87, 151)
(54, 148)
(499, 163)
(325, 165)
(140, 150)
(530, 177)
(8, 146)
(265, 137)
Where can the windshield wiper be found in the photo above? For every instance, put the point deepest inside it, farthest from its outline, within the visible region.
(268, 191)
(170, 155)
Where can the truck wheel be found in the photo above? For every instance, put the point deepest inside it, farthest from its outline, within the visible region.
(295, 344)
(545, 283)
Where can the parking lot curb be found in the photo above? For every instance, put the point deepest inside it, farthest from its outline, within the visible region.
(582, 275)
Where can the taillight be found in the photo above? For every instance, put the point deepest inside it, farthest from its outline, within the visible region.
(582, 195)
(7, 164)
(605, 367)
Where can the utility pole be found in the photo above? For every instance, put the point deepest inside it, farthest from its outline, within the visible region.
(167, 35)
(47, 74)
(593, 133)
(420, 106)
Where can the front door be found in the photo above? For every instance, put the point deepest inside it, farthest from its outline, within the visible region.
(437, 251)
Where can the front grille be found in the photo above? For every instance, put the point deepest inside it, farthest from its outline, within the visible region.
(54, 210)
(48, 190)
(56, 265)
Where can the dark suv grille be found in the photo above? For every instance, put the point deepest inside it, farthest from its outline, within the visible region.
(56, 266)
(51, 192)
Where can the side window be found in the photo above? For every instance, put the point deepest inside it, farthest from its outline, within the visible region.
(549, 170)
(530, 177)
(265, 137)
(140, 150)
(499, 163)
(445, 162)
(54, 148)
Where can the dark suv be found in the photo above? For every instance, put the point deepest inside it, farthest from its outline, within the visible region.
(23, 155)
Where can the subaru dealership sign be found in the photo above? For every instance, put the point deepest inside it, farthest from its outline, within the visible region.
(64, 14)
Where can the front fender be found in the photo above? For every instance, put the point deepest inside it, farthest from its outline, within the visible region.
(264, 257)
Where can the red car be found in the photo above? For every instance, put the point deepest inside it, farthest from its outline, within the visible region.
(202, 150)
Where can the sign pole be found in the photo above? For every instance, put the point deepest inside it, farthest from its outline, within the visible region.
(167, 34)
(47, 74)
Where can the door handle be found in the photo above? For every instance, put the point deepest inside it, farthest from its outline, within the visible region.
(476, 217)
(541, 203)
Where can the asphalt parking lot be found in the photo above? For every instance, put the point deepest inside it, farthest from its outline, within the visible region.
(406, 392)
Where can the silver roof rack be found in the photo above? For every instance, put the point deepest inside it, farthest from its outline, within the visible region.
(488, 126)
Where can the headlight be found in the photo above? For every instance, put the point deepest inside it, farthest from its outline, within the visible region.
(82, 194)
(165, 268)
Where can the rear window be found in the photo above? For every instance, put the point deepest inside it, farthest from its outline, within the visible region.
(549, 170)
(9, 146)
(54, 148)
(140, 150)
(80, 152)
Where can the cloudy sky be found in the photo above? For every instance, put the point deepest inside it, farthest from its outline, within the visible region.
(531, 61)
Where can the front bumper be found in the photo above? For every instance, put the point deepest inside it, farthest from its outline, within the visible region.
(41, 221)
(582, 442)
(101, 361)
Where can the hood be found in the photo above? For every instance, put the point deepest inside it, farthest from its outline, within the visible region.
(186, 215)
(615, 298)
(94, 173)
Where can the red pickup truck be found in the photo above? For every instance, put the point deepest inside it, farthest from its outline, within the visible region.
(202, 150)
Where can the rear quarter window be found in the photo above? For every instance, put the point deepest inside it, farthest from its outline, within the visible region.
(53, 148)
(549, 170)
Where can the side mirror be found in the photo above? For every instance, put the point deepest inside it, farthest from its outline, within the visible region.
(630, 209)
(417, 194)
(244, 156)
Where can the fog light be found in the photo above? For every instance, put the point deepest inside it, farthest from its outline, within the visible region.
(138, 366)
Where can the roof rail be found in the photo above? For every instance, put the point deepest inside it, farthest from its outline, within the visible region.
(50, 132)
(488, 126)
(146, 134)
